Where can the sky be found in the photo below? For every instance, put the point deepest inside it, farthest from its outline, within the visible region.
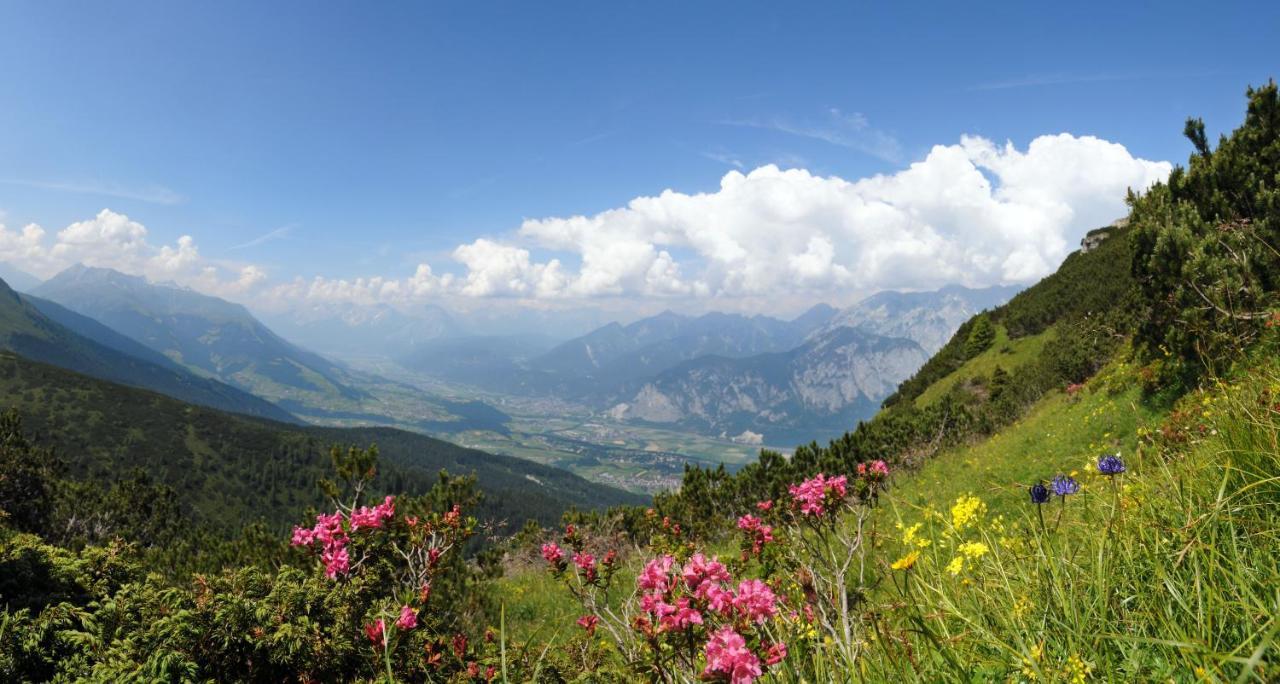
(617, 158)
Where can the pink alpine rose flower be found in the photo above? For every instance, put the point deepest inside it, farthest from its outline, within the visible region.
(375, 631)
(717, 597)
(775, 653)
(336, 560)
(728, 656)
(654, 603)
(699, 569)
(755, 601)
(302, 536)
(587, 564)
(408, 618)
(552, 553)
(811, 495)
(372, 518)
(759, 533)
(679, 617)
(654, 577)
(328, 528)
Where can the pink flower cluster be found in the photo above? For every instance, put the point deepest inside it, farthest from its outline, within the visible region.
(372, 518)
(700, 593)
(878, 470)
(332, 536)
(728, 656)
(587, 564)
(553, 553)
(408, 618)
(330, 533)
(376, 631)
(589, 567)
(705, 583)
(757, 532)
(815, 494)
(655, 576)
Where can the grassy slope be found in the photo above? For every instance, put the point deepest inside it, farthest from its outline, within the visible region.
(1172, 528)
(1003, 353)
(1060, 434)
(1179, 579)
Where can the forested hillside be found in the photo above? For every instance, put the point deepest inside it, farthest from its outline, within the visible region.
(206, 334)
(230, 471)
(44, 331)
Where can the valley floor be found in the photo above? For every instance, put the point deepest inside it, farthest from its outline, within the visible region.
(638, 458)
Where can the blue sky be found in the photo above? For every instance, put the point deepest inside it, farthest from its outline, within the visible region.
(362, 139)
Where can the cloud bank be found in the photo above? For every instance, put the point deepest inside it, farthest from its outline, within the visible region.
(974, 212)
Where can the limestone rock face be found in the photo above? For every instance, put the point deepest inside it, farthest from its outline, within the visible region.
(820, 388)
(833, 379)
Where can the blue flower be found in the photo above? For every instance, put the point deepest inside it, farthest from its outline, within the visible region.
(1064, 485)
(1039, 493)
(1110, 465)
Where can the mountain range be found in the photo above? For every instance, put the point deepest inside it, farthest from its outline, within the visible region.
(223, 341)
(16, 278)
(838, 375)
(755, 378)
(345, 329)
(617, 353)
(44, 331)
(927, 318)
(752, 377)
(207, 335)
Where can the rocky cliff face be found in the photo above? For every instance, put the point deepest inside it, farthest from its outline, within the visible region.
(816, 390)
(928, 318)
(617, 353)
(845, 367)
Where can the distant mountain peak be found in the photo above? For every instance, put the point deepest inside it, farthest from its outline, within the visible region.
(17, 278)
(81, 272)
(929, 318)
(205, 334)
(819, 309)
(41, 330)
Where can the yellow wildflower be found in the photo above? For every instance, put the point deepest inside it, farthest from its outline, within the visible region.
(1029, 664)
(1022, 606)
(906, 561)
(956, 565)
(966, 511)
(972, 549)
(1077, 669)
(910, 538)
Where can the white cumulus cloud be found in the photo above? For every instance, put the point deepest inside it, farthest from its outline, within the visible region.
(975, 212)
